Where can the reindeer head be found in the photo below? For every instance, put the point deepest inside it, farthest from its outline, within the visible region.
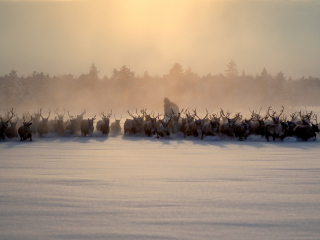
(14, 124)
(80, 117)
(37, 116)
(5, 123)
(45, 120)
(27, 124)
(274, 116)
(105, 118)
(247, 126)
(117, 121)
(255, 115)
(90, 121)
(60, 116)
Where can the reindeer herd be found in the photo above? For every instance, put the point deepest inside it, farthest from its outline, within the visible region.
(302, 125)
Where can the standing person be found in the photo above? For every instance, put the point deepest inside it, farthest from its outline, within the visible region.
(170, 105)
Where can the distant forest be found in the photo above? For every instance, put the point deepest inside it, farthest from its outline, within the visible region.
(124, 90)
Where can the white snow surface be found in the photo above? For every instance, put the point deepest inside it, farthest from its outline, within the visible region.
(130, 187)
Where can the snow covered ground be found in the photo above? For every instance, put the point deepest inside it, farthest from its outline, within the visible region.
(147, 188)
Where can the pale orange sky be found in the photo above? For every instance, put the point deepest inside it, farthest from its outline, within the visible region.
(68, 36)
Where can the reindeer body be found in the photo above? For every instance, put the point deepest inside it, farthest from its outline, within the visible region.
(3, 130)
(43, 126)
(227, 127)
(87, 127)
(115, 127)
(276, 131)
(150, 127)
(4, 124)
(12, 130)
(71, 128)
(25, 131)
(306, 132)
(258, 127)
(162, 129)
(103, 126)
(242, 129)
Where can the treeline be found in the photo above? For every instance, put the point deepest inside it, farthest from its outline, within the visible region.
(124, 90)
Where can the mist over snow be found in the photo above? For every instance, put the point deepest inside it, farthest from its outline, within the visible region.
(125, 90)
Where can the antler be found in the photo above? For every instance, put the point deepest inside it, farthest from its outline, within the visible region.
(293, 116)
(195, 113)
(70, 115)
(109, 114)
(12, 115)
(103, 116)
(308, 115)
(131, 114)
(222, 113)
(238, 116)
(268, 114)
(83, 113)
(281, 111)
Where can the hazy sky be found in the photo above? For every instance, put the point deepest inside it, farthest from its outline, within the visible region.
(60, 37)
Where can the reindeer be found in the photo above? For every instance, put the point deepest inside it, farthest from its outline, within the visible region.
(175, 121)
(199, 124)
(189, 127)
(276, 130)
(4, 124)
(12, 130)
(79, 119)
(71, 127)
(228, 126)
(242, 129)
(257, 123)
(60, 116)
(132, 126)
(255, 115)
(150, 125)
(57, 125)
(307, 131)
(162, 128)
(115, 126)
(35, 122)
(275, 118)
(291, 125)
(306, 118)
(25, 131)
(86, 126)
(141, 119)
(212, 127)
(43, 127)
(103, 125)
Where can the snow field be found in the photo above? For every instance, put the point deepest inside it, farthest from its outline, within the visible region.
(146, 188)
